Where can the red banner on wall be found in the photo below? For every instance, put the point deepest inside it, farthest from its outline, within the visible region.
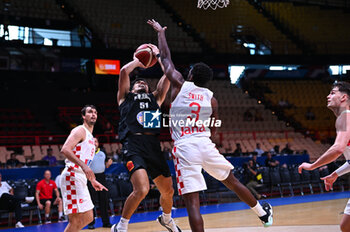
(107, 67)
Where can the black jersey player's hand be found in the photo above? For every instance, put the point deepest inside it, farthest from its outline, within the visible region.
(98, 186)
(88, 172)
(139, 64)
(156, 26)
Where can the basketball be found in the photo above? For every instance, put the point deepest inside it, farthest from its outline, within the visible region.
(145, 55)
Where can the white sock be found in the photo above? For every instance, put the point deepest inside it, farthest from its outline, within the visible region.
(166, 217)
(60, 214)
(258, 210)
(47, 215)
(123, 224)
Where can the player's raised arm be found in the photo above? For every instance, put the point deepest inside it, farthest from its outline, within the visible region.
(341, 141)
(124, 79)
(171, 73)
(76, 136)
(162, 89)
(164, 83)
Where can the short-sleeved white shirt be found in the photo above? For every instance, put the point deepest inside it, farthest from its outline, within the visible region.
(4, 188)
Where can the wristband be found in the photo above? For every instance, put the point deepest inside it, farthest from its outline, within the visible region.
(158, 55)
(345, 168)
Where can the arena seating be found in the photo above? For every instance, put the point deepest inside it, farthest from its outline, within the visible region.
(41, 9)
(316, 25)
(304, 97)
(19, 121)
(233, 104)
(128, 31)
(217, 27)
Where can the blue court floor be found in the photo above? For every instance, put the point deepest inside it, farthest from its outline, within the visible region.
(150, 216)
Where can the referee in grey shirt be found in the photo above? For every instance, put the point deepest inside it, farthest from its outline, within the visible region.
(98, 166)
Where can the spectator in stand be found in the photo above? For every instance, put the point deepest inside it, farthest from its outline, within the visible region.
(282, 103)
(309, 114)
(287, 150)
(238, 151)
(255, 162)
(109, 128)
(13, 162)
(252, 175)
(275, 150)
(258, 150)
(50, 158)
(98, 165)
(247, 116)
(81, 34)
(44, 197)
(258, 116)
(270, 162)
(9, 202)
(229, 149)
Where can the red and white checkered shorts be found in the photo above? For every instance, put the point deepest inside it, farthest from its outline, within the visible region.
(75, 193)
(191, 156)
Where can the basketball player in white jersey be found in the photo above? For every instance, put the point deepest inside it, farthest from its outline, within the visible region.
(79, 150)
(193, 148)
(338, 101)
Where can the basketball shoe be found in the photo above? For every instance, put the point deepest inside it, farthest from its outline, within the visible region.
(170, 226)
(267, 219)
(114, 229)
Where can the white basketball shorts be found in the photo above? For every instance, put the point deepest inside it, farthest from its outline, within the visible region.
(75, 193)
(347, 208)
(193, 154)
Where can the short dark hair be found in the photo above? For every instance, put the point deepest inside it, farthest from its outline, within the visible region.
(83, 111)
(343, 87)
(201, 74)
(137, 80)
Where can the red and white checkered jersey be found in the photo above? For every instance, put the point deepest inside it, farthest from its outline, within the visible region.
(190, 112)
(84, 151)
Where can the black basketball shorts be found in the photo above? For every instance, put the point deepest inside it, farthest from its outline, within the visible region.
(143, 151)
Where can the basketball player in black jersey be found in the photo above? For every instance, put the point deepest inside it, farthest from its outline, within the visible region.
(141, 146)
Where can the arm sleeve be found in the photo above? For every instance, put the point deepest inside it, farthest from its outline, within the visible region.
(54, 185)
(38, 186)
(345, 168)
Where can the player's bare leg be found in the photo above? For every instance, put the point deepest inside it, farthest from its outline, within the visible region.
(77, 221)
(194, 216)
(140, 183)
(345, 223)
(165, 187)
(242, 192)
(264, 212)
